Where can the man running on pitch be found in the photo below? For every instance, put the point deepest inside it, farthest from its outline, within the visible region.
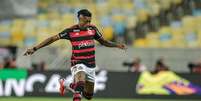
(81, 36)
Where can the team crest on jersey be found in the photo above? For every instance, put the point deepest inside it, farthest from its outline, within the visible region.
(89, 31)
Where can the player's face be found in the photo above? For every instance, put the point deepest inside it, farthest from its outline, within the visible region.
(84, 19)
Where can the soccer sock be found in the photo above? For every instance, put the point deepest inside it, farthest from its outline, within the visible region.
(72, 85)
(79, 86)
(77, 96)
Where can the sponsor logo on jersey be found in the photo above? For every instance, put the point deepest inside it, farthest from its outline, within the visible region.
(85, 44)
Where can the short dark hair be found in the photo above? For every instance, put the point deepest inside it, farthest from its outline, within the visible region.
(84, 12)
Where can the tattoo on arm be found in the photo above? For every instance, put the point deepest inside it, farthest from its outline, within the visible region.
(47, 41)
(107, 43)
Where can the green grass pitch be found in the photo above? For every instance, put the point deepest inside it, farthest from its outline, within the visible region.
(68, 99)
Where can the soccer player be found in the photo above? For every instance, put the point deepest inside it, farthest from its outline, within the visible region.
(81, 36)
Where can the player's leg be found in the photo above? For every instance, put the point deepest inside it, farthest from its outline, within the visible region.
(89, 83)
(88, 90)
(79, 81)
(85, 82)
(84, 85)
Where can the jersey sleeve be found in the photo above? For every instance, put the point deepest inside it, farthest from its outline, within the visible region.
(98, 34)
(64, 34)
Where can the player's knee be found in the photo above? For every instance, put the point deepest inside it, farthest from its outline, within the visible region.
(88, 96)
(80, 76)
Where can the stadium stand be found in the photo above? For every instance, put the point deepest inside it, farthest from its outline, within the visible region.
(132, 21)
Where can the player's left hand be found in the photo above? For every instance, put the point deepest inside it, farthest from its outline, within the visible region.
(121, 46)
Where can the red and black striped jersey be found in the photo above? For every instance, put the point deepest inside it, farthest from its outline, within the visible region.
(83, 43)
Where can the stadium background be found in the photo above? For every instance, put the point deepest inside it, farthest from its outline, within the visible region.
(153, 29)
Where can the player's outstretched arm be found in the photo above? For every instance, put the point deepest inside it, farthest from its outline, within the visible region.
(107, 43)
(44, 43)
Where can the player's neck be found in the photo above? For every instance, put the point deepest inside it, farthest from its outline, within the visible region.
(82, 24)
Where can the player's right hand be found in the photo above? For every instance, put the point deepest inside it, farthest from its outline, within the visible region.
(121, 46)
(29, 51)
